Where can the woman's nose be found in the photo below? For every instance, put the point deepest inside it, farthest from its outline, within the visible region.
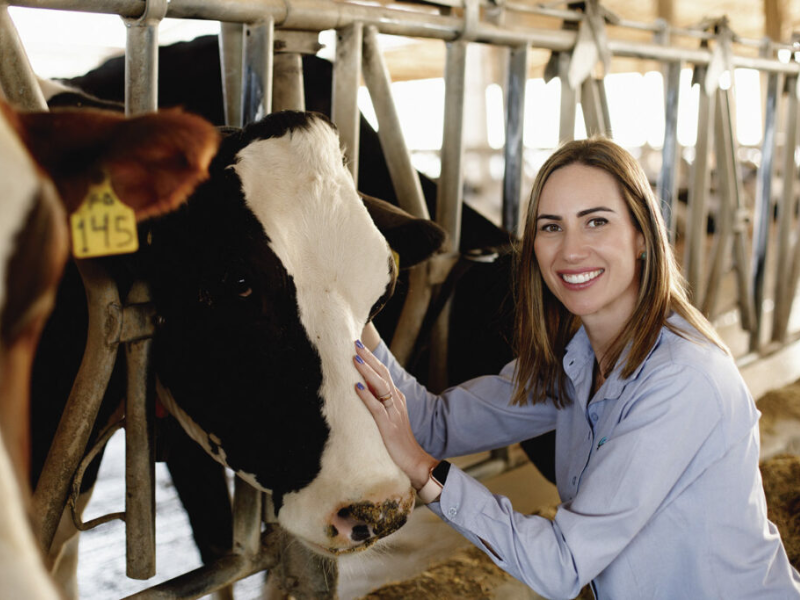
(574, 247)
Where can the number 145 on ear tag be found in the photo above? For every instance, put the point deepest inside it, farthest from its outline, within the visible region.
(103, 225)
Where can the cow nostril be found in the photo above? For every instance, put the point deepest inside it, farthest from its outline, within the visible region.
(360, 533)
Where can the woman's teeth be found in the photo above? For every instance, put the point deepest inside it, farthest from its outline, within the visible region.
(581, 277)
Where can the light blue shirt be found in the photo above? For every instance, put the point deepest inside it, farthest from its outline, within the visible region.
(661, 495)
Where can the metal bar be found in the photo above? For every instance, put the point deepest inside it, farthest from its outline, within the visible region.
(141, 59)
(667, 188)
(140, 496)
(346, 80)
(17, 80)
(231, 58)
(449, 194)
(569, 101)
(212, 577)
(287, 77)
(763, 208)
(594, 111)
(246, 518)
(725, 151)
(320, 15)
(257, 70)
(405, 178)
(411, 317)
(514, 148)
(75, 427)
(784, 292)
(698, 191)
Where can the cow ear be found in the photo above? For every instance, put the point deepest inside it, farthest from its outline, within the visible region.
(414, 239)
(154, 160)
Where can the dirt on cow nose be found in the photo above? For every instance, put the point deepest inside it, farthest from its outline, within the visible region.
(384, 518)
(362, 524)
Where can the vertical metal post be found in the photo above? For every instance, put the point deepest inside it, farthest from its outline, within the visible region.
(698, 191)
(515, 124)
(141, 58)
(246, 518)
(231, 59)
(17, 80)
(287, 75)
(784, 292)
(405, 178)
(450, 192)
(667, 188)
(259, 41)
(569, 100)
(346, 80)
(763, 207)
(140, 498)
(595, 111)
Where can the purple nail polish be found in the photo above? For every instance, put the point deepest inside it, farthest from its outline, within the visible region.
(359, 359)
(359, 344)
(359, 386)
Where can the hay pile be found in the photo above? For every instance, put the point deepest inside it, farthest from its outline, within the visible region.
(468, 575)
(777, 405)
(781, 476)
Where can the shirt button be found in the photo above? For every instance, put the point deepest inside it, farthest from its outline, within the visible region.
(452, 511)
(594, 417)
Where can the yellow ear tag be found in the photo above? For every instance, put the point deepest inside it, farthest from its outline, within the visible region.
(396, 258)
(103, 225)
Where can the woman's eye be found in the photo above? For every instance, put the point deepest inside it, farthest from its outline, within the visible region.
(597, 222)
(549, 228)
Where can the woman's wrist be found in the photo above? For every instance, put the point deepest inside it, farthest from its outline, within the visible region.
(422, 474)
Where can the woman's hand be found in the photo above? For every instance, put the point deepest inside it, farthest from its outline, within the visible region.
(387, 405)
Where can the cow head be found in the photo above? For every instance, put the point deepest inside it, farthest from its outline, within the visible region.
(263, 281)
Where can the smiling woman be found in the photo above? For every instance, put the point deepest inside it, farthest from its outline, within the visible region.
(657, 441)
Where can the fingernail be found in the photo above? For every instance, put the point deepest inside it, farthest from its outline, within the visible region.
(359, 386)
(359, 359)
(359, 344)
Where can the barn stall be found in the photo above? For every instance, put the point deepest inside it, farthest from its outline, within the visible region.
(743, 273)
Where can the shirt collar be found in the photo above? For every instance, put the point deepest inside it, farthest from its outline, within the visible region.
(579, 357)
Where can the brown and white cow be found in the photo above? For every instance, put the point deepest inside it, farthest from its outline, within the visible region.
(172, 150)
(262, 281)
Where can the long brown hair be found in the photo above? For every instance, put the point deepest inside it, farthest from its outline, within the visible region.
(544, 327)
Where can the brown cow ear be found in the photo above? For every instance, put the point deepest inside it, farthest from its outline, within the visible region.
(414, 239)
(154, 160)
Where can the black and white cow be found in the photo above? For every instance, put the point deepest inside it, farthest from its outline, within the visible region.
(262, 281)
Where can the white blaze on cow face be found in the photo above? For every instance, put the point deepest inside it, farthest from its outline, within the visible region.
(340, 264)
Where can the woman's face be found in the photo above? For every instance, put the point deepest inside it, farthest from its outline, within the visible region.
(588, 248)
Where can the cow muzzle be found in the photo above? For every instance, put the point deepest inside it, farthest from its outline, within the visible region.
(358, 526)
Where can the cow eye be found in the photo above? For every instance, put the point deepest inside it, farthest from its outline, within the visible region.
(242, 287)
(238, 284)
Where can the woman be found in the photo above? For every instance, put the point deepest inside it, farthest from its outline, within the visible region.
(656, 433)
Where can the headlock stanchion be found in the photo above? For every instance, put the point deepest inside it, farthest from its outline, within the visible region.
(261, 48)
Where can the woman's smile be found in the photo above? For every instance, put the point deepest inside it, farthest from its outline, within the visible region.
(580, 279)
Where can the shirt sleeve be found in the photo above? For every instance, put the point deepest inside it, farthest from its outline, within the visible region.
(472, 417)
(652, 455)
